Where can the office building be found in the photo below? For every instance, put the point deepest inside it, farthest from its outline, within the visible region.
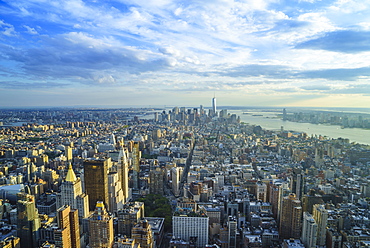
(116, 197)
(123, 170)
(71, 194)
(309, 231)
(297, 183)
(68, 233)
(136, 154)
(176, 173)
(309, 200)
(142, 233)
(320, 214)
(101, 228)
(96, 181)
(291, 217)
(191, 226)
(232, 228)
(214, 107)
(28, 221)
(156, 182)
(68, 153)
(128, 216)
(283, 192)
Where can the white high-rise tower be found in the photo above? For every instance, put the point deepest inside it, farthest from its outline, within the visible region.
(123, 163)
(214, 108)
(71, 194)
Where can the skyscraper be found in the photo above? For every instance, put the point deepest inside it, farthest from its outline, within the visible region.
(309, 231)
(176, 173)
(28, 222)
(122, 160)
(284, 115)
(291, 217)
(71, 194)
(320, 214)
(297, 183)
(136, 165)
(96, 181)
(214, 107)
(232, 228)
(101, 228)
(68, 233)
(68, 153)
(156, 184)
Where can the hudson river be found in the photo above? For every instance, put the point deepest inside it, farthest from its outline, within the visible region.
(269, 121)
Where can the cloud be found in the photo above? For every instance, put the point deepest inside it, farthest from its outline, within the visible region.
(354, 89)
(7, 29)
(316, 88)
(346, 41)
(336, 74)
(30, 30)
(256, 70)
(31, 85)
(80, 56)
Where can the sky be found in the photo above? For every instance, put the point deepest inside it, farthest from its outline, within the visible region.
(310, 53)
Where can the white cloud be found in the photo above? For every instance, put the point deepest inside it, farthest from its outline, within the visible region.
(161, 44)
(7, 29)
(30, 30)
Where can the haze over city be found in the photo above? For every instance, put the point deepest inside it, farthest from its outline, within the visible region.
(247, 53)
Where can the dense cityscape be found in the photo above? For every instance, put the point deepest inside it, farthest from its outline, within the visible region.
(345, 120)
(186, 177)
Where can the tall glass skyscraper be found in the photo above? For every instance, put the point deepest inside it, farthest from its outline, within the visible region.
(214, 108)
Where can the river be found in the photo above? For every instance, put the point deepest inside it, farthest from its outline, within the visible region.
(268, 120)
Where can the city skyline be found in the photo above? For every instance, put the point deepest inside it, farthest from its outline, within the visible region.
(303, 53)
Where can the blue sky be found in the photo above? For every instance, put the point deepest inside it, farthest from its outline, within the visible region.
(182, 53)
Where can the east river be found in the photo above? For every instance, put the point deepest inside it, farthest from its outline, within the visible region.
(269, 121)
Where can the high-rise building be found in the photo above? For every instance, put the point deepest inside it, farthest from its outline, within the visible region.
(291, 217)
(284, 115)
(192, 226)
(297, 183)
(176, 173)
(273, 190)
(310, 199)
(232, 228)
(68, 153)
(116, 196)
(28, 221)
(101, 228)
(319, 157)
(309, 231)
(123, 163)
(283, 192)
(261, 189)
(68, 233)
(96, 181)
(214, 107)
(142, 233)
(75, 228)
(157, 134)
(71, 194)
(156, 183)
(136, 154)
(320, 214)
(130, 214)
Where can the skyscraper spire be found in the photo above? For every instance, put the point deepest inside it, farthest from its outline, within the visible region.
(71, 176)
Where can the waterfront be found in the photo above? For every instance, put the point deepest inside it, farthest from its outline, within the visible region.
(269, 120)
